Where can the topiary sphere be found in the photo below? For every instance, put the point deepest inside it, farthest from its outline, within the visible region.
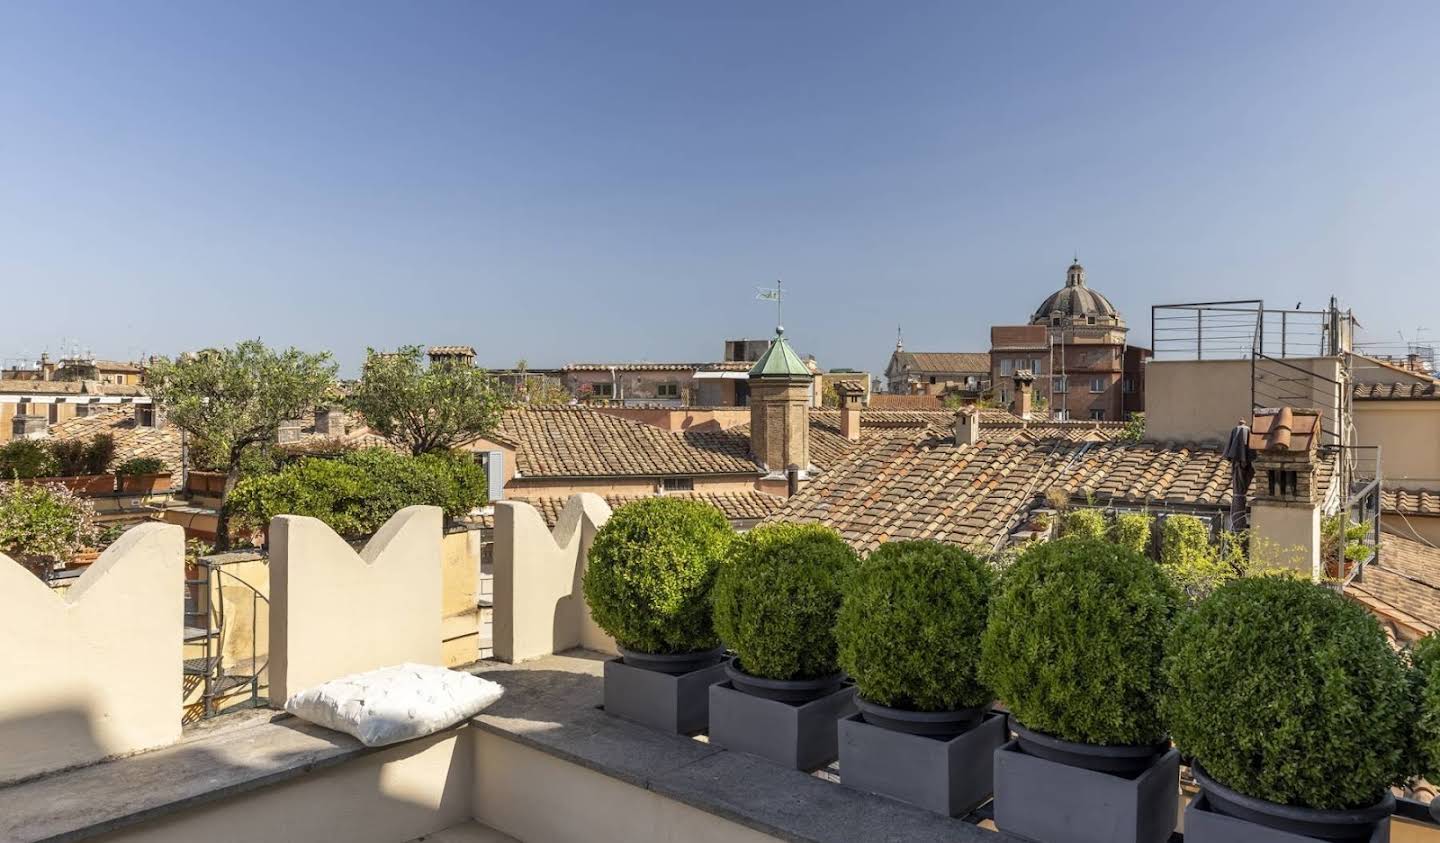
(1283, 690)
(910, 624)
(650, 573)
(1426, 657)
(1075, 639)
(776, 598)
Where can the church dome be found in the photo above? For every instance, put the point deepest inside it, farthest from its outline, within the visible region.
(1076, 301)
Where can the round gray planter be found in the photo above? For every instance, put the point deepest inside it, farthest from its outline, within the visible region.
(1355, 824)
(1102, 759)
(936, 724)
(782, 690)
(671, 663)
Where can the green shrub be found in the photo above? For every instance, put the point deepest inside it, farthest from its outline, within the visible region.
(76, 457)
(1337, 529)
(1286, 691)
(25, 459)
(1188, 557)
(1426, 658)
(1074, 642)
(651, 571)
(910, 623)
(44, 524)
(1131, 530)
(141, 465)
(1083, 524)
(776, 598)
(357, 493)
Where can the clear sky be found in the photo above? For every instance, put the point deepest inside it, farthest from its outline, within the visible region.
(610, 181)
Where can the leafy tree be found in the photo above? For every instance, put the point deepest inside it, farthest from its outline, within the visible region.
(424, 409)
(232, 400)
(77, 457)
(26, 458)
(44, 524)
(1134, 428)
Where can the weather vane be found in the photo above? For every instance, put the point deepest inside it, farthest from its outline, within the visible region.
(775, 294)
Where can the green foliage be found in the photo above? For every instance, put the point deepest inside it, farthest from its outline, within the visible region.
(26, 458)
(777, 596)
(650, 574)
(910, 624)
(1284, 690)
(1335, 529)
(424, 409)
(953, 401)
(231, 400)
(1134, 428)
(140, 465)
(43, 524)
(1083, 524)
(1131, 530)
(1189, 558)
(1075, 639)
(76, 457)
(1426, 658)
(357, 493)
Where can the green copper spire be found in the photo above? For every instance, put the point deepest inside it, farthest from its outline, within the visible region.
(780, 360)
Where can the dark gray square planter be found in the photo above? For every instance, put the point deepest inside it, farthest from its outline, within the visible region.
(1204, 825)
(949, 776)
(798, 735)
(1055, 803)
(670, 703)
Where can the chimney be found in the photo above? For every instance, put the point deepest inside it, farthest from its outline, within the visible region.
(329, 422)
(967, 427)
(1285, 505)
(47, 367)
(1024, 393)
(851, 397)
(149, 415)
(289, 431)
(780, 386)
(28, 427)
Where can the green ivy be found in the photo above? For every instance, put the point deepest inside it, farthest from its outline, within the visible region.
(1084, 524)
(1131, 530)
(1075, 638)
(910, 624)
(1286, 691)
(650, 573)
(777, 596)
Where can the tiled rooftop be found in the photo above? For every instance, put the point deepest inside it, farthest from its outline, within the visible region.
(1411, 501)
(726, 366)
(947, 361)
(1397, 391)
(23, 387)
(747, 505)
(131, 439)
(1405, 580)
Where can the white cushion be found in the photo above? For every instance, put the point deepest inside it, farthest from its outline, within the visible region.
(396, 703)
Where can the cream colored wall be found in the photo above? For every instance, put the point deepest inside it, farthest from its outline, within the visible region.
(96, 671)
(334, 612)
(459, 610)
(534, 796)
(1415, 527)
(1286, 537)
(1408, 433)
(397, 794)
(1200, 400)
(539, 606)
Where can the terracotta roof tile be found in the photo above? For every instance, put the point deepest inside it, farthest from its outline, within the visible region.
(891, 401)
(1397, 391)
(451, 351)
(1405, 580)
(12, 386)
(131, 439)
(969, 362)
(1411, 501)
(726, 366)
(737, 506)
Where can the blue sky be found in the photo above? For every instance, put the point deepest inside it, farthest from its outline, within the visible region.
(561, 181)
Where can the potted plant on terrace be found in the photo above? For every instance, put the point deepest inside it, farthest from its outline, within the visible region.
(1073, 646)
(142, 476)
(776, 598)
(909, 636)
(1296, 710)
(648, 584)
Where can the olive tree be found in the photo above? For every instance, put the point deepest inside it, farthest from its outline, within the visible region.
(422, 408)
(232, 400)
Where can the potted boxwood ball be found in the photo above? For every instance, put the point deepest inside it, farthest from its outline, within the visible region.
(1426, 659)
(909, 633)
(1073, 646)
(776, 598)
(648, 583)
(1297, 712)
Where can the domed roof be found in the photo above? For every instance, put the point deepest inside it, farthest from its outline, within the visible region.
(1075, 300)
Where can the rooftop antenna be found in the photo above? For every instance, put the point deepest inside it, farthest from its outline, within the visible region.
(775, 294)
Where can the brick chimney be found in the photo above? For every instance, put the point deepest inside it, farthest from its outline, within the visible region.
(289, 431)
(329, 422)
(1285, 503)
(967, 426)
(47, 367)
(851, 398)
(1024, 393)
(780, 384)
(28, 427)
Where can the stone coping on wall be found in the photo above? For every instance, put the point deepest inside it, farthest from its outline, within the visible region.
(553, 704)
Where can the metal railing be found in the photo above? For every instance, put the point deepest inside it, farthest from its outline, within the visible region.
(222, 681)
(1236, 329)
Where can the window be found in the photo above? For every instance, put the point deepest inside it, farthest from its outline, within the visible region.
(1128, 386)
(1097, 385)
(678, 484)
(1062, 384)
(1089, 320)
(1004, 397)
(667, 390)
(1007, 367)
(603, 390)
(82, 410)
(932, 379)
(1097, 415)
(145, 415)
(1283, 483)
(54, 413)
(1055, 320)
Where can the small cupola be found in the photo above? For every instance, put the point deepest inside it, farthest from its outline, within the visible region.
(780, 386)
